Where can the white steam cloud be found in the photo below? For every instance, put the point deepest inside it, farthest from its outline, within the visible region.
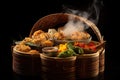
(92, 14)
(73, 26)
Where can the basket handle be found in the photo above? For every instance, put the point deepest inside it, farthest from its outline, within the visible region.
(43, 23)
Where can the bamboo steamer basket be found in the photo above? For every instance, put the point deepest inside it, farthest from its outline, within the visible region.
(88, 65)
(26, 64)
(54, 68)
(85, 66)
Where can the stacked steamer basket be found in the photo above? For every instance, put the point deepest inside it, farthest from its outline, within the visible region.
(26, 64)
(54, 68)
(90, 65)
(81, 66)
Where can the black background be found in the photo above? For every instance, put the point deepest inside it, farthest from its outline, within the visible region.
(18, 17)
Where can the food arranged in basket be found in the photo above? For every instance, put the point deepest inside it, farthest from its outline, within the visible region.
(54, 43)
(55, 52)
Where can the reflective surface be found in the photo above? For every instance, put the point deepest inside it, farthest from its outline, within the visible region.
(20, 77)
(108, 74)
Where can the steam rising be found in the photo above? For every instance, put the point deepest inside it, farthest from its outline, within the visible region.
(73, 26)
(92, 14)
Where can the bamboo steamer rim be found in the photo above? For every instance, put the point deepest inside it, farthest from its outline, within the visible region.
(55, 17)
(57, 58)
(23, 53)
(96, 54)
